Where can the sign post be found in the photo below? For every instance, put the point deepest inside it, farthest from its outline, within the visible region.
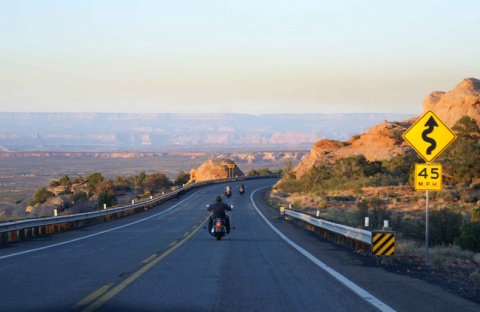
(429, 137)
(230, 167)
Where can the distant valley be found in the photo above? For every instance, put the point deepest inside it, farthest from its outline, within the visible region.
(83, 132)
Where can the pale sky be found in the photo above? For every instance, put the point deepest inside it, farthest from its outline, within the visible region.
(253, 57)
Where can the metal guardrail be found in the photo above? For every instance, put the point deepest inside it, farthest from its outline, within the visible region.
(32, 224)
(347, 231)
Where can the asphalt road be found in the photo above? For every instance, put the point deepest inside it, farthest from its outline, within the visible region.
(164, 260)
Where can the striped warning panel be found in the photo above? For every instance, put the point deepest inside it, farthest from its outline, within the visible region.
(383, 243)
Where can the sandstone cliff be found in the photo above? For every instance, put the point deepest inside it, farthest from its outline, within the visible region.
(385, 141)
(463, 100)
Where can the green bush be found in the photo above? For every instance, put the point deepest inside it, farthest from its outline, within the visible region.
(444, 226)
(41, 195)
(411, 228)
(182, 178)
(468, 197)
(469, 237)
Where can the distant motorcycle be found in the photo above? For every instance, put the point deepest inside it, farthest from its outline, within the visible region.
(228, 193)
(241, 191)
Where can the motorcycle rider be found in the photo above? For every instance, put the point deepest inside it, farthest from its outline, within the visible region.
(218, 211)
(242, 187)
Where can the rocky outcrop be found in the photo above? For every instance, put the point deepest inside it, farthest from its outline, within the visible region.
(382, 141)
(463, 100)
(215, 168)
(385, 141)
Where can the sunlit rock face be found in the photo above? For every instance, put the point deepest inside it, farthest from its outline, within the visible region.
(215, 168)
(463, 100)
(385, 141)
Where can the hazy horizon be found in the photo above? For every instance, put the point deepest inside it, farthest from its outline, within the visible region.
(267, 57)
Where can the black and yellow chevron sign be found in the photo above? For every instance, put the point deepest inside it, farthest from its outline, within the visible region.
(383, 243)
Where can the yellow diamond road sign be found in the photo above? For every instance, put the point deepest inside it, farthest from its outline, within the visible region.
(429, 136)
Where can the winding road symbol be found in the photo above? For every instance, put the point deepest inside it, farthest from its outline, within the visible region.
(431, 124)
(429, 136)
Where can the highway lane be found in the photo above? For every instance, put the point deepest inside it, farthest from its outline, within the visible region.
(163, 260)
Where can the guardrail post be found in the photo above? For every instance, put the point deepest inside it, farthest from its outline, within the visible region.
(55, 212)
(367, 221)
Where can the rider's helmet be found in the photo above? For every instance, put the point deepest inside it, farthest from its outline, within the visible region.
(218, 198)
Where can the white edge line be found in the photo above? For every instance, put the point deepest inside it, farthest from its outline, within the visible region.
(365, 295)
(91, 235)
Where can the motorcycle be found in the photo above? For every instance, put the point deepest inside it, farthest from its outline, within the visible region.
(241, 191)
(228, 193)
(219, 227)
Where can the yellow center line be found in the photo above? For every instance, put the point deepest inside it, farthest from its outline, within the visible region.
(92, 297)
(103, 298)
(149, 259)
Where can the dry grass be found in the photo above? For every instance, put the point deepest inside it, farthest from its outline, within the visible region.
(338, 206)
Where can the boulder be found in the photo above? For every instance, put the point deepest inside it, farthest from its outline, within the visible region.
(215, 168)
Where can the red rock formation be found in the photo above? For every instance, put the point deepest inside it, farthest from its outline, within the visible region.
(216, 168)
(463, 100)
(385, 141)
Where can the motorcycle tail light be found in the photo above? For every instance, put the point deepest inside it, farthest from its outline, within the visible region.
(219, 223)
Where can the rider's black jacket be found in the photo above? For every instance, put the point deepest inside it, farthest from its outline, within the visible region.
(218, 209)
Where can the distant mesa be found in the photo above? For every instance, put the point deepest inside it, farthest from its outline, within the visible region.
(215, 168)
(102, 132)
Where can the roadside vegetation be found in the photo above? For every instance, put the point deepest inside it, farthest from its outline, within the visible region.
(95, 191)
(354, 188)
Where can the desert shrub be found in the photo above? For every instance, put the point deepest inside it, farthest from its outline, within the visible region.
(401, 167)
(322, 204)
(362, 211)
(156, 182)
(463, 156)
(446, 195)
(182, 178)
(106, 198)
(78, 196)
(468, 196)
(123, 183)
(476, 214)
(288, 186)
(252, 173)
(469, 237)
(444, 226)
(41, 195)
(412, 229)
(262, 171)
(378, 212)
(54, 183)
(92, 181)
